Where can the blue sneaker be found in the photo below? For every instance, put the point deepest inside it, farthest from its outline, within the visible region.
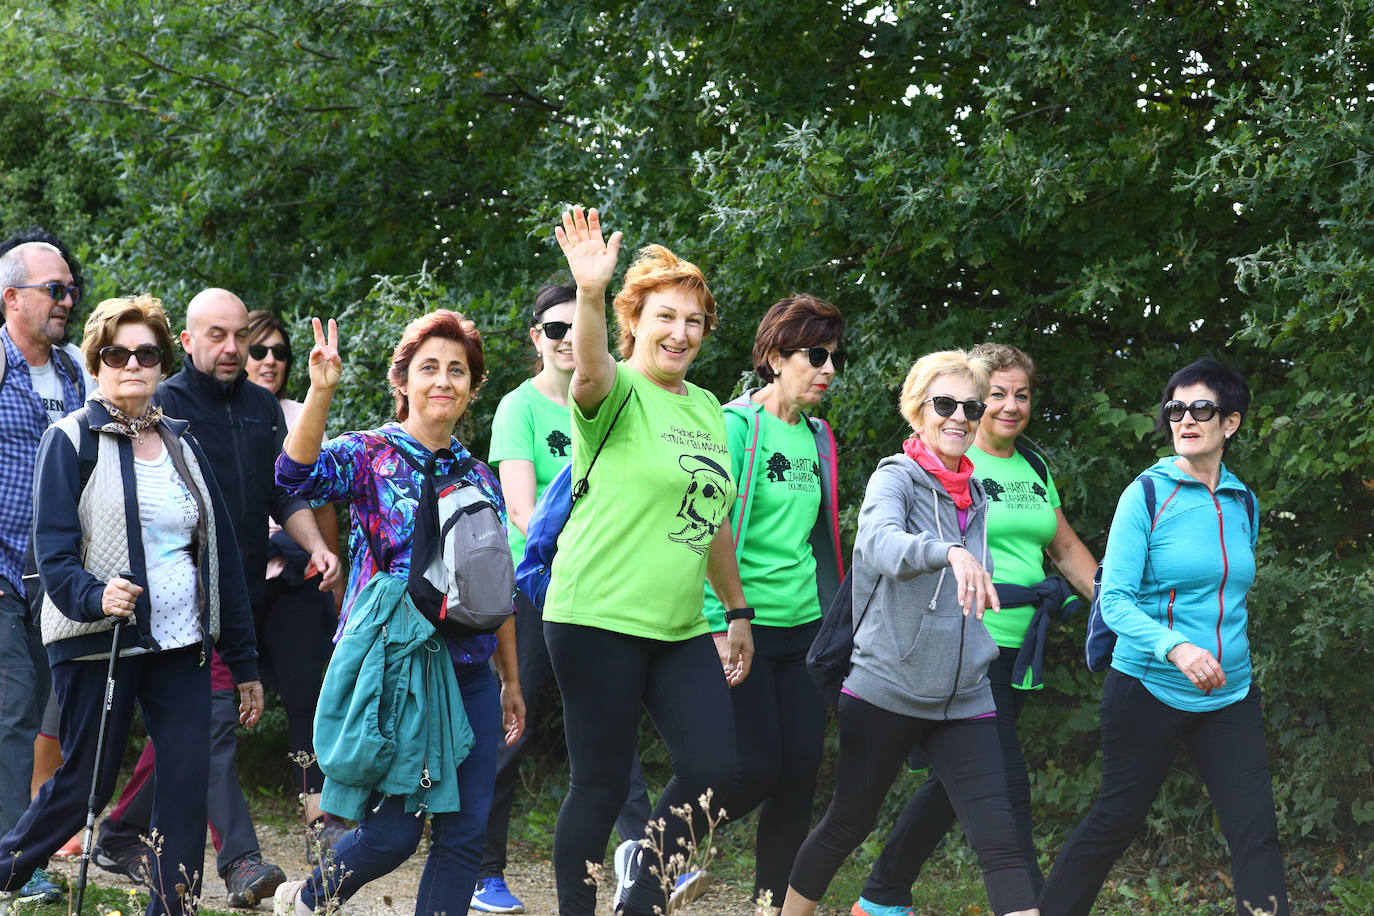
(688, 888)
(40, 890)
(869, 908)
(492, 896)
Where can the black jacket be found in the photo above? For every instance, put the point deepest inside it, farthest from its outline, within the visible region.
(242, 429)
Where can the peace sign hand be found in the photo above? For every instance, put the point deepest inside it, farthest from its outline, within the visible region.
(325, 365)
(590, 259)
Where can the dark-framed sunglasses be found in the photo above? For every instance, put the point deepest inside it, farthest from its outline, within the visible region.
(118, 357)
(554, 330)
(818, 356)
(945, 407)
(58, 291)
(259, 351)
(1202, 411)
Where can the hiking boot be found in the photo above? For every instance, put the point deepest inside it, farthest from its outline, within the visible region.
(493, 896)
(324, 834)
(688, 887)
(128, 859)
(869, 908)
(250, 879)
(626, 870)
(39, 890)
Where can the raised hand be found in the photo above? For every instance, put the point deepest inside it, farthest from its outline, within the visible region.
(590, 258)
(325, 365)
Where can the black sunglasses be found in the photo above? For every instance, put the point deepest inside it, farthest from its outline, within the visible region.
(118, 357)
(818, 356)
(259, 351)
(58, 291)
(945, 407)
(555, 330)
(1202, 411)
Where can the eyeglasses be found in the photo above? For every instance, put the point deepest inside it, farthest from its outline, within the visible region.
(118, 357)
(259, 351)
(818, 356)
(58, 291)
(1202, 411)
(555, 330)
(945, 407)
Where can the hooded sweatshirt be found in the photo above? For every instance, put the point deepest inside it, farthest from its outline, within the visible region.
(1181, 577)
(915, 653)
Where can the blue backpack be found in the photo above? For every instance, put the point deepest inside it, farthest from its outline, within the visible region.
(546, 523)
(1100, 641)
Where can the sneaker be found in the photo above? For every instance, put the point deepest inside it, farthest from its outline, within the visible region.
(39, 890)
(869, 908)
(492, 896)
(323, 836)
(250, 879)
(70, 849)
(129, 860)
(626, 870)
(688, 888)
(286, 901)
(6, 902)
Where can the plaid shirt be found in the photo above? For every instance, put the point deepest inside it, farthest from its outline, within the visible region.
(23, 420)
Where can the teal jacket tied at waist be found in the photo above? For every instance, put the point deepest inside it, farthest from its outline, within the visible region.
(390, 717)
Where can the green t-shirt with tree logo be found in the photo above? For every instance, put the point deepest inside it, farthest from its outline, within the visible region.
(1021, 523)
(632, 556)
(530, 427)
(776, 565)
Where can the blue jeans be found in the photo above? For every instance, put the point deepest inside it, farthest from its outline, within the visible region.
(388, 836)
(24, 686)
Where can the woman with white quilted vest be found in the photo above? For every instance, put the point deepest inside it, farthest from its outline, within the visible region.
(128, 523)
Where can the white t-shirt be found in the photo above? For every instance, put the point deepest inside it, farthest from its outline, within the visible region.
(48, 384)
(167, 516)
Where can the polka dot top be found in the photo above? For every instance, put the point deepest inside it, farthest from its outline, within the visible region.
(167, 514)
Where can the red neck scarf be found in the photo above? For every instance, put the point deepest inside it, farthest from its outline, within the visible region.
(954, 482)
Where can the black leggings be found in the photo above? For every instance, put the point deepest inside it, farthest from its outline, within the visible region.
(605, 677)
(928, 816)
(294, 628)
(780, 734)
(873, 744)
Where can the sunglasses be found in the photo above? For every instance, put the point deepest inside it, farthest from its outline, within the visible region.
(58, 291)
(818, 356)
(945, 407)
(555, 330)
(259, 351)
(118, 357)
(1202, 411)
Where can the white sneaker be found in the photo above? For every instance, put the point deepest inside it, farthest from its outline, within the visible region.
(286, 901)
(626, 870)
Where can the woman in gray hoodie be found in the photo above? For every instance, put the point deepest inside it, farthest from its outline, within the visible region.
(921, 571)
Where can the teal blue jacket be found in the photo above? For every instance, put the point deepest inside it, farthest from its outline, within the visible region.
(390, 717)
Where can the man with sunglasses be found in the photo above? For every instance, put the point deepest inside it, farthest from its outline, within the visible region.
(41, 384)
(246, 425)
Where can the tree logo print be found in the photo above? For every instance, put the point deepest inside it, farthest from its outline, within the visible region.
(993, 489)
(778, 466)
(1040, 492)
(558, 442)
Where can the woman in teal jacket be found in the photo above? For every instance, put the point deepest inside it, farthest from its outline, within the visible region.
(1174, 589)
(785, 524)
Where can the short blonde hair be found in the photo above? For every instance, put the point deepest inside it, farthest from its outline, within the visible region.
(654, 268)
(928, 368)
(104, 322)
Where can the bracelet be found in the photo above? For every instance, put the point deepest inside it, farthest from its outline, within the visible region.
(739, 613)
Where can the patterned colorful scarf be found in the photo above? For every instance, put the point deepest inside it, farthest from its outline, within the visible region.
(955, 482)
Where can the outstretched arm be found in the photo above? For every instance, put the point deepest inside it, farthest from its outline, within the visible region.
(303, 441)
(592, 263)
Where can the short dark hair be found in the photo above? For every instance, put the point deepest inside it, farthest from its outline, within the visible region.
(261, 324)
(1233, 393)
(794, 323)
(448, 325)
(549, 295)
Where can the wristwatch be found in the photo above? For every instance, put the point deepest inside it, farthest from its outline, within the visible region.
(739, 613)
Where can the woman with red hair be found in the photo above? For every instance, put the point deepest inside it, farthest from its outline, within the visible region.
(436, 370)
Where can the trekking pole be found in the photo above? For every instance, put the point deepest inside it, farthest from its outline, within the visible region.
(88, 836)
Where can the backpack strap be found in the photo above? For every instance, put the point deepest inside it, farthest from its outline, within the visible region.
(75, 374)
(1148, 485)
(580, 488)
(1035, 461)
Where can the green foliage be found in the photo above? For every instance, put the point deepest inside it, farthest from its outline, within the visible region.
(1118, 188)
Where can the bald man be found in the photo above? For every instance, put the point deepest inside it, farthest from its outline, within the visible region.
(243, 428)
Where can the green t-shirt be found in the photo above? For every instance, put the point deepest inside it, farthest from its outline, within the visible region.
(530, 427)
(777, 567)
(1021, 524)
(632, 557)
